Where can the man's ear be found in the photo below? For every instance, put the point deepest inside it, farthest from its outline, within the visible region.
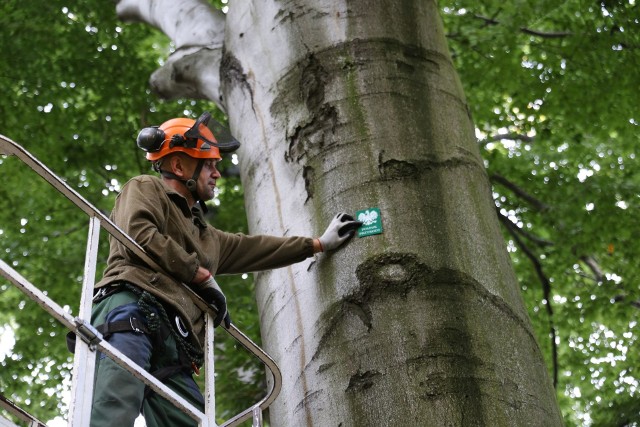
(178, 165)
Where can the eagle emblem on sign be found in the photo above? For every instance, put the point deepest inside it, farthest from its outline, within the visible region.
(368, 217)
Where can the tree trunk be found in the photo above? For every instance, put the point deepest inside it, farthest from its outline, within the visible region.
(343, 106)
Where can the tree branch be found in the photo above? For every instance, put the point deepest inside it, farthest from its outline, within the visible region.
(537, 204)
(619, 298)
(535, 239)
(594, 267)
(546, 290)
(525, 30)
(510, 136)
(197, 31)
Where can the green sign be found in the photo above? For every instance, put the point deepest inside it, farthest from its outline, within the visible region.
(371, 222)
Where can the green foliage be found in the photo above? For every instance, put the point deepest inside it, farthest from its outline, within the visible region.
(552, 89)
(75, 81)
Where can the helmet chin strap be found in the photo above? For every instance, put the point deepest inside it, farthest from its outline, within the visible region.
(191, 184)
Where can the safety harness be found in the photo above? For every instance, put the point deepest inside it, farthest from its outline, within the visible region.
(158, 327)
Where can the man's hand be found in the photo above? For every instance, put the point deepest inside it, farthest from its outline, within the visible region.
(211, 293)
(341, 229)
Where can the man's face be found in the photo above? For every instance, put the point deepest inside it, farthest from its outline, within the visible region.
(207, 180)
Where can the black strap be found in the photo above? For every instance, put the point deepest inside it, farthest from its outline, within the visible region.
(191, 184)
(107, 329)
(185, 365)
(169, 371)
(106, 291)
(166, 372)
(71, 342)
(133, 324)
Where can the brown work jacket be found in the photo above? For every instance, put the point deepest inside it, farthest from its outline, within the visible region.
(180, 240)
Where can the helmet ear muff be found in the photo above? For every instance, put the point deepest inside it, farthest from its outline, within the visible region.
(150, 139)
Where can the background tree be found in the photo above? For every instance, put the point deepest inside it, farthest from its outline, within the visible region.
(550, 90)
(557, 119)
(76, 94)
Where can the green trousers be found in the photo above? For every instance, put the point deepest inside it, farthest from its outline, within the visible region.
(118, 397)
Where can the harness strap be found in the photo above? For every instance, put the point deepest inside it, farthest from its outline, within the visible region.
(131, 325)
(164, 373)
(169, 371)
(108, 329)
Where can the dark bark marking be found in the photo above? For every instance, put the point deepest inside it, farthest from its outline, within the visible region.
(295, 12)
(446, 366)
(293, 343)
(324, 367)
(394, 169)
(232, 73)
(306, 400)
(389, 272)
(361, 381)
(399, 273)
(416, 54)
(362, 311)
(308, 174)
(312, 83)
(405, 67)
(398, 169)
(312, 135)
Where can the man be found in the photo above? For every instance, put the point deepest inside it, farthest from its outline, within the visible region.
(147, 314)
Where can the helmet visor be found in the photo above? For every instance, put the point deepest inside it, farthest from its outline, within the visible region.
(195, 134)
(225, 142)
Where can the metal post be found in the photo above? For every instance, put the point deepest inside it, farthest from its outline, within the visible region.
(209, 372)
(84, 361)
(257, 416)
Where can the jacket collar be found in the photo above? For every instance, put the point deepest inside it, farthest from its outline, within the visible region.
(198, 216)
(194, 212)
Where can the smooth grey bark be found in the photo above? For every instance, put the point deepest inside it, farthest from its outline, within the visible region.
(344, 106)
(197, 32)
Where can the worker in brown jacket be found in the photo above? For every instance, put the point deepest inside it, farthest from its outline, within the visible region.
(147, 314)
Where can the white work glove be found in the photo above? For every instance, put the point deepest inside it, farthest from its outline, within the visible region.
(341, 229)
(211, 293)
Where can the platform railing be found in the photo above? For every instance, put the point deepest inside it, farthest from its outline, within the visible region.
(22, 415)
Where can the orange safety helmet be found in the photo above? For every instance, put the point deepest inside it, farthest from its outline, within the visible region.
(192, 137)
(188, 136)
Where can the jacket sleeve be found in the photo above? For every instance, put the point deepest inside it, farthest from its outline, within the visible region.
(141, 212)
(240, 253)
